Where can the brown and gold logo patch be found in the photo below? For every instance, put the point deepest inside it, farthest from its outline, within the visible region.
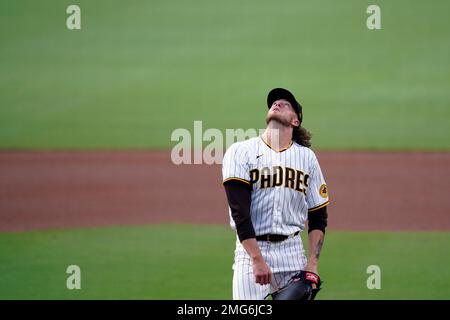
(323, 191)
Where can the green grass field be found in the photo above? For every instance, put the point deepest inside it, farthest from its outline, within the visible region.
(194, 262)
(136, 71)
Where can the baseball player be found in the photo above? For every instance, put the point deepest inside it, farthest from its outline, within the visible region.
(274, 185)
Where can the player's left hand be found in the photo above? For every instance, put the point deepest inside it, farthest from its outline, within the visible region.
(312, 268)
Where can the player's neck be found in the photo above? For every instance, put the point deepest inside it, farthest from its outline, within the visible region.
(277, 135)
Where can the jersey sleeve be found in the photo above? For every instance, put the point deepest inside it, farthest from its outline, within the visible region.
(235, 164)
(317, 194)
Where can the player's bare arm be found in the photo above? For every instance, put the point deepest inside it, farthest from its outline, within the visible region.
(317, 222)
(315, 243)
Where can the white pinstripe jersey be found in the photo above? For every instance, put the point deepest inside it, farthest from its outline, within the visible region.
(286, 184)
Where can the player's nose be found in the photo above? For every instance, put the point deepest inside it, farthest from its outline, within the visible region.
(278, 104)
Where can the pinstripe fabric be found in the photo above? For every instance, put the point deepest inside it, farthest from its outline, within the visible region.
(284, 259)
(275, 209)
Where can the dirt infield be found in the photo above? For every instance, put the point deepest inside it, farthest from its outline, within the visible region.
(368, 191)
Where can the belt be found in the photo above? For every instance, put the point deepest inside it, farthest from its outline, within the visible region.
(275, 237)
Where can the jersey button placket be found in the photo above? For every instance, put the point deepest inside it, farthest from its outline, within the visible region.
(276, 202)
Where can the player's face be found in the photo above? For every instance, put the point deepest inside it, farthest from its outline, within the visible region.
(282, 111)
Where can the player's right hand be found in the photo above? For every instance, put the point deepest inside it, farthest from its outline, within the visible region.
(261, 270)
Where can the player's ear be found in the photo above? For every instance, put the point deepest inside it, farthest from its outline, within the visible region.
(295, 122)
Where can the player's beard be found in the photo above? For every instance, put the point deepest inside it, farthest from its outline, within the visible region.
(277, 117)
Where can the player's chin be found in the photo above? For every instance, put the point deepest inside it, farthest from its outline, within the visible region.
(277, 117)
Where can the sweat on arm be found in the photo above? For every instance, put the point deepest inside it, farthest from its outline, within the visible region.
(239, 199)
